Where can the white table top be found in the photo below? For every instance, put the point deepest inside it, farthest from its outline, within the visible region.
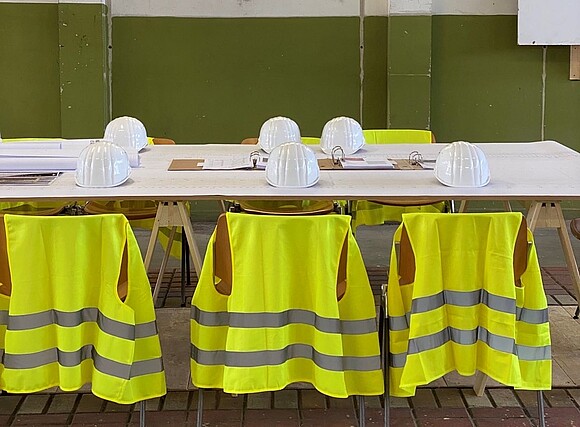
(546, 171)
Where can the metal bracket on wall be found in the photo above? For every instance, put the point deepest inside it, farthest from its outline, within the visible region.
(574, 62)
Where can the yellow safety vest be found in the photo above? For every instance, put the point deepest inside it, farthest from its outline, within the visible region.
(282, 322)
(64, 323)
(463, 311)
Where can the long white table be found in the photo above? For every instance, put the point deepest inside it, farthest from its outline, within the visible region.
(544, 173)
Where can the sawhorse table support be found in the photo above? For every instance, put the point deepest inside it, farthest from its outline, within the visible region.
(549, 215)
(172, 214)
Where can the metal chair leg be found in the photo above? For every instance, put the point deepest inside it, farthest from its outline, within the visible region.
(361, 411)
(183, 272)
(185, 267)
(142, 413)
(383, 322)
(199, 419)
(541, 414)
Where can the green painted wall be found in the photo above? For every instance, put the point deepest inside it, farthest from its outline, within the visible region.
(83, 62)
(218, 80)
(562, 99)
(53, 68)
(29, 71)
(375, 76)
(487, 88)
(409, 72)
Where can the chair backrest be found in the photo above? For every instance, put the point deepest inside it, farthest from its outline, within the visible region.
(398, 136)
(163, 141)
(160, 141)
(311, 140)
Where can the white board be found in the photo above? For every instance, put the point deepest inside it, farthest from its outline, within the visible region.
(549, 22)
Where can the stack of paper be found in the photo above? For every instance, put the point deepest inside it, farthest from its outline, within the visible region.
(33, 156)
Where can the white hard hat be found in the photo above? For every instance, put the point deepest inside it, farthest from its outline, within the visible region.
(292, 165)
(276, 131)
(102, 164)
(128, 132)
(342, 132)
(462, 164)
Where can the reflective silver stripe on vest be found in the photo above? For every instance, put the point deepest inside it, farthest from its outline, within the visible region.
(74, 358)
(249, 359)
(464, 299)
(469, 337)
(399, 323)
(4, 317)
(76, 318)
(535, 317)
(468, 299)
(284, 318)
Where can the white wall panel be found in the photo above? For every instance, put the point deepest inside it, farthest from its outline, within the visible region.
(290, 8)
(555, 22)
(475, 7)
(235, 8)
(410, 7)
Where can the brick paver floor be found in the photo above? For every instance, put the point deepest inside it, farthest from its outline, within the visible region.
(430, 407)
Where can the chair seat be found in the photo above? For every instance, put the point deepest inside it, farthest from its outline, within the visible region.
(287, 207)
(32, 208)
(132, 209)
(415, 202)
(575, 227)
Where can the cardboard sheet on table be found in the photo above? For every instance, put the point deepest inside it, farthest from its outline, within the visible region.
(186, 165)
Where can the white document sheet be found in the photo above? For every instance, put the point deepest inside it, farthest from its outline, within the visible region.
(227, 163)
(363, 163)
